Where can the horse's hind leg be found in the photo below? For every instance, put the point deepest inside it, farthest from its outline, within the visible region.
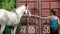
(2, 28)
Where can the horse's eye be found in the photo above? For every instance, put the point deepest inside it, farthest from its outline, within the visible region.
(24, 12)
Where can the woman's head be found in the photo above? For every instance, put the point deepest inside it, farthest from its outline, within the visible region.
(52, 12)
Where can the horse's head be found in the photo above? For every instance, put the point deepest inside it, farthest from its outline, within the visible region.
(23, 9)
(27, 11)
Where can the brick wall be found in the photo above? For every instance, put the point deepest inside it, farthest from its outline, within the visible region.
(45, 6)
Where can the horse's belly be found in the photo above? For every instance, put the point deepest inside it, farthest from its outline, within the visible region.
(9, 23)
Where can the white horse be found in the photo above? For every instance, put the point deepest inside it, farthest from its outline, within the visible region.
(12, 18)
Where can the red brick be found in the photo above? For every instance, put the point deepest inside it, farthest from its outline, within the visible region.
(45, 13)
(45, 5)
(54, 0)
(54, 4)
(45, 0)
(42, 12)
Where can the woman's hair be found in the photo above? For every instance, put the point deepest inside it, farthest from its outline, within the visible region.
(53, 11)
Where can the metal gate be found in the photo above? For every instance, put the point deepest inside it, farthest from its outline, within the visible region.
(30, 25)
(41, 8)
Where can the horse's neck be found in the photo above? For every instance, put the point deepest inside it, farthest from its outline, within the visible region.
(20, 14)
(20, 11)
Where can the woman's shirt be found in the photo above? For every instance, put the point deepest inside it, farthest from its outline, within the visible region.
(54, 22)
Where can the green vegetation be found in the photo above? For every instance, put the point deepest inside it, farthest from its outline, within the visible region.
(8, 4)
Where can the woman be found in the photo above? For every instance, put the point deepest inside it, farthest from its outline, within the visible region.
(54, 22)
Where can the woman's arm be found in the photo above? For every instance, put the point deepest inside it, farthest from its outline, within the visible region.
(48, 17)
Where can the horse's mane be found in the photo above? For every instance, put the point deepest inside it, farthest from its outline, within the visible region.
(21, 7)
(18, 7)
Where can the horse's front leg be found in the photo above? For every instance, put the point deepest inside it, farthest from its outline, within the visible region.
(14, 31)
(2, 28)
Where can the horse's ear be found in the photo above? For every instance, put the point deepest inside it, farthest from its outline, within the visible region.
(26, 5)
